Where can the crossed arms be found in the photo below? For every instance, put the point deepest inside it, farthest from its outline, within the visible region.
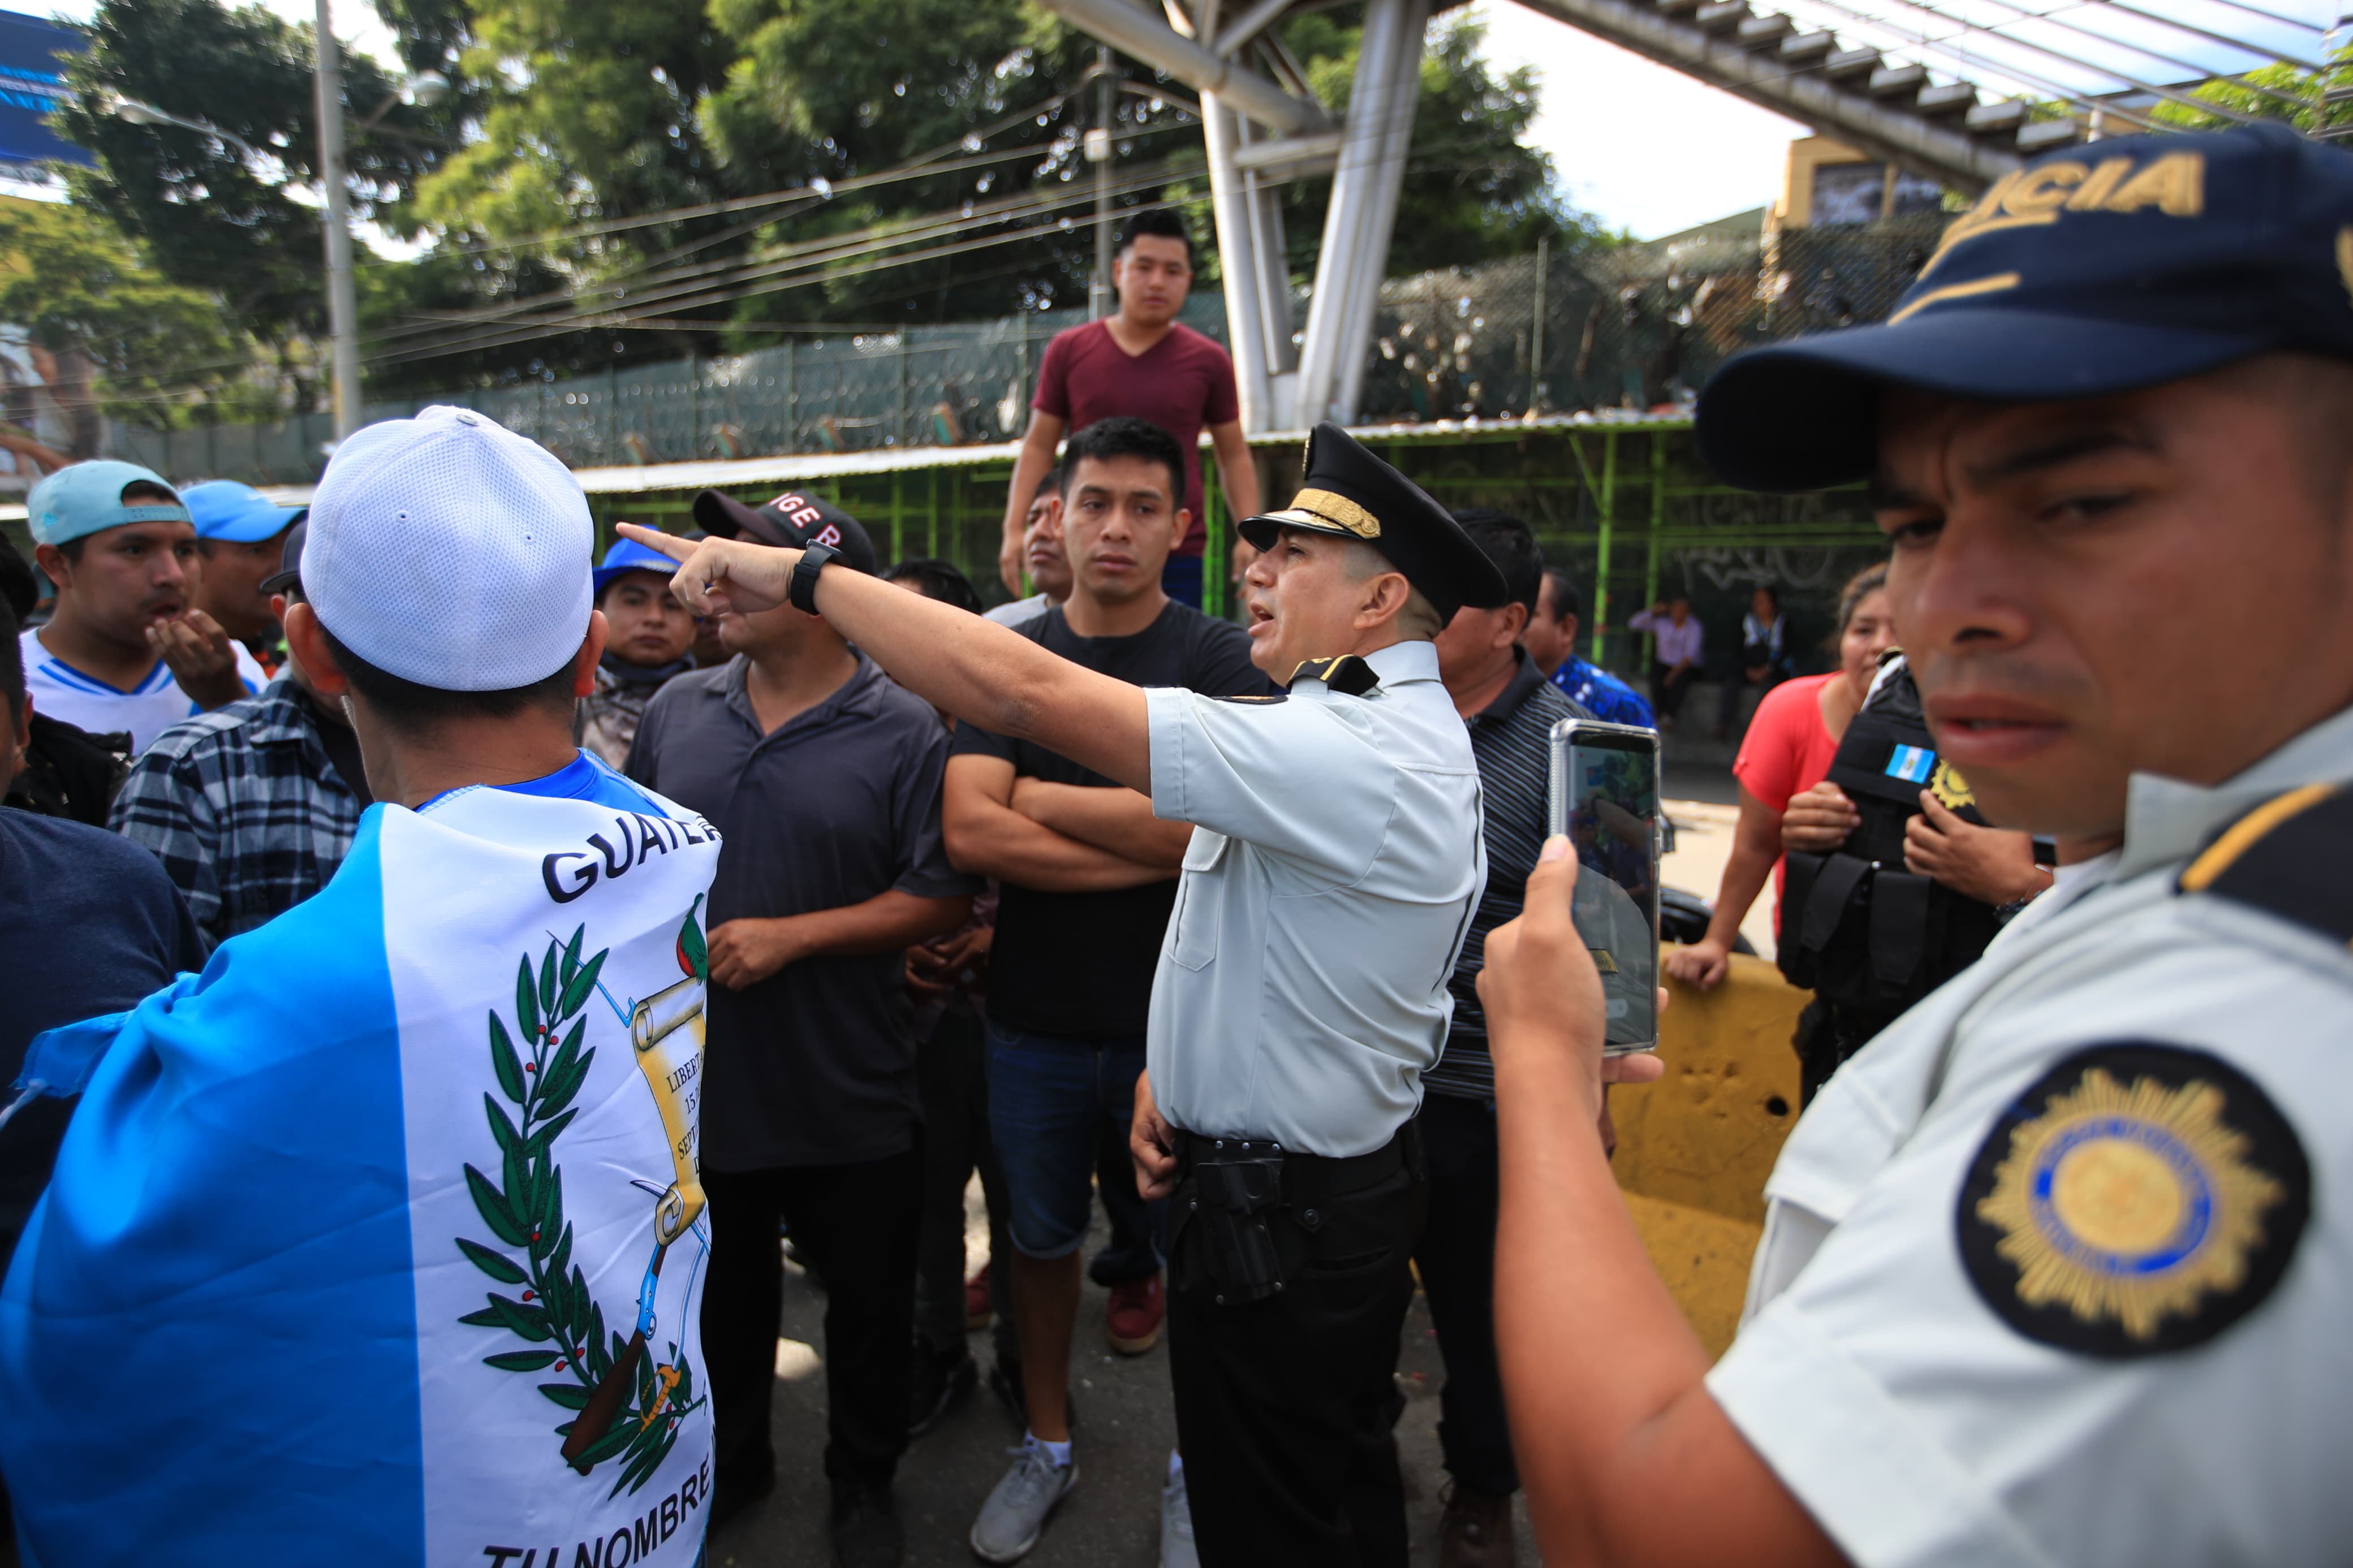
(1054, 838)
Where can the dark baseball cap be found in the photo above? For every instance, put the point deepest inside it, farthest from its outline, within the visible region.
(792, 521)
(2105, 269)
(288, 578)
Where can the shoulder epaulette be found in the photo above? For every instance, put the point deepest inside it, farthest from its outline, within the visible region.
(2290, 856)
(1347, 675)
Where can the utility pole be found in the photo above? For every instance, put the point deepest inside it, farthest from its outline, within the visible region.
(1097, 144)
(343, 305)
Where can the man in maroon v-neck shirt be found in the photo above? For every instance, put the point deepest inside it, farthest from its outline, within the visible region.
(1140, 362)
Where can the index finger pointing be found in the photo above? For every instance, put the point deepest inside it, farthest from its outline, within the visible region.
(655, 539)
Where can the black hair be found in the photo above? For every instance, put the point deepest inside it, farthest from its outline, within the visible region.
(1566, 600)
(1159, 222)
(1859, 587)
(1769, 591)
(409, 707)
(71, 548)
(1512, 546)
(936, 579)
(1052, 482)
(1121, 437)
(17, 587)
(12, 664)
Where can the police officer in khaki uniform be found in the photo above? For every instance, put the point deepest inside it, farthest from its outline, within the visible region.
(2054, 1270)
(1334, 858)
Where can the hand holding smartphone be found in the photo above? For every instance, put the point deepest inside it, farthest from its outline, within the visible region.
(1605, 797)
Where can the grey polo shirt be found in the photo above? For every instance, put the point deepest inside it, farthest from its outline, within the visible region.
(815, 1065)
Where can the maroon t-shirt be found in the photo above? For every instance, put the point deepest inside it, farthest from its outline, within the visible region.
(1184, 384)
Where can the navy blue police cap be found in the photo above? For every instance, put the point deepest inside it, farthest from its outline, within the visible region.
(2103, 269)
(1350, 493)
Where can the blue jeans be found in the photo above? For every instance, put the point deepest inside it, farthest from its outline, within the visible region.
(1050, 1100)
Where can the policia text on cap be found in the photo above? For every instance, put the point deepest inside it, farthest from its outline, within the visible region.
(2053, 1271)
(1301, 991)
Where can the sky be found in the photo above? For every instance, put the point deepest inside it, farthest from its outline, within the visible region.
(1640, 147)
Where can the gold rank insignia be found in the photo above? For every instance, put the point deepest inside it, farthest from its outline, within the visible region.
(2139, 1198)
(1951, 790)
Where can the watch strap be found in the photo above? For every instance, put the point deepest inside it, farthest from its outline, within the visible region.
(802, 592)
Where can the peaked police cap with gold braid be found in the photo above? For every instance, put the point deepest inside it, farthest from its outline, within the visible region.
(2099, 269)
(1351, 493)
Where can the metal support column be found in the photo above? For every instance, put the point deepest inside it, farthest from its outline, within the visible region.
(1608, 499)
(1230, 195)
(1387, 183)
(1364, 207)
(1099, 292)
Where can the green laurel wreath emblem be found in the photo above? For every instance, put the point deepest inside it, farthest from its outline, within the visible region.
(554, 1314)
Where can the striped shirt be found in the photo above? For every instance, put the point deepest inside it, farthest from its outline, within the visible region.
(1512, 738)
(244, 807)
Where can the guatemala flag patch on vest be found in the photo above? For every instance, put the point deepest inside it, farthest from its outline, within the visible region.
(1911, 763)
(381, 1242)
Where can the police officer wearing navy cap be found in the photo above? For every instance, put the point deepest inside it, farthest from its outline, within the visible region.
(1335, 859)
(2054, 1270)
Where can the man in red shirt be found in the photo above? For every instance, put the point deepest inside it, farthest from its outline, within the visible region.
(1141, 364)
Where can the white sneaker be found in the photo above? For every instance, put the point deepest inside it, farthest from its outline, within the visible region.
(1176, 1527)
(1015, 1515)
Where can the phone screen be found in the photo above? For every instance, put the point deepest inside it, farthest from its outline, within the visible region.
(1605, 797)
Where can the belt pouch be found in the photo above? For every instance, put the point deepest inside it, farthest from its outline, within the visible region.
(1235, 1195)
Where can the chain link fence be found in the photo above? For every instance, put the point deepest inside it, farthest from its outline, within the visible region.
(1639, 326)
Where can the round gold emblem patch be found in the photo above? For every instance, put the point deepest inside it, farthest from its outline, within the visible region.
(1951, 790)
(2139, 1198)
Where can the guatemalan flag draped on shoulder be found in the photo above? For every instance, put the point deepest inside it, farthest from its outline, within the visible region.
(382, 1241)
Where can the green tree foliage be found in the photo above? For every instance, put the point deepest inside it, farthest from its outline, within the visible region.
(1473, 190)
(212, 218)
(79, 286)
(553, 180)
(2309, 112)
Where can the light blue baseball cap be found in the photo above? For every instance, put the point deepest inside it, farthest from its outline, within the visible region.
(83, 498)
(627, 556)
(223, 509)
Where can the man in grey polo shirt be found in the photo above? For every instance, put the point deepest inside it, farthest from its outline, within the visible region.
(824, 777)
(1303, 982)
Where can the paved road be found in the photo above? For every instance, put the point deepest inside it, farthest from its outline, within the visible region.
(1125, 1432)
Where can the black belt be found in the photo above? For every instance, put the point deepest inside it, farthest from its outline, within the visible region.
(1305, 1177)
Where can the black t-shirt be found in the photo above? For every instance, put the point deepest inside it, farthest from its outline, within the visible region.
(90, 925)
(1081, 963)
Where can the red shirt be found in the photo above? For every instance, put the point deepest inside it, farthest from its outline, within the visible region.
(1787, 752)
(1183, 383)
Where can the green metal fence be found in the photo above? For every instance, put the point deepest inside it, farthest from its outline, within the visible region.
(1625, 504)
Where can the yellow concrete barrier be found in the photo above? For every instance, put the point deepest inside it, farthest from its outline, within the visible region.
(1694, 1148)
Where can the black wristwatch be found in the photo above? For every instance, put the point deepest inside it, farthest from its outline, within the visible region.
(802, 593)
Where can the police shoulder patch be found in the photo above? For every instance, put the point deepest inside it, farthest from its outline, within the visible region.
(1347, 675)
(2139, 1198)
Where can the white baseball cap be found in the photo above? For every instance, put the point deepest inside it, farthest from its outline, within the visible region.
(449, 550)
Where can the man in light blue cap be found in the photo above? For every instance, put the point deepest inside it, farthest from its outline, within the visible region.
(241, 534)
(127, 651)
(652, 638)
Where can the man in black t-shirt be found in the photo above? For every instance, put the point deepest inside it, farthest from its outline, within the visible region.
(1089, 876)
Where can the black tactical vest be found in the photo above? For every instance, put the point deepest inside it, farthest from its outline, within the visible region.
(1857, 928)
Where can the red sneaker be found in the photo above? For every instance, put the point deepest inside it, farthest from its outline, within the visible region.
(1132, 1324)
(977, 1313)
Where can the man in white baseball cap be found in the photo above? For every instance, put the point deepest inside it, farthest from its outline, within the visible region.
(397, 1208)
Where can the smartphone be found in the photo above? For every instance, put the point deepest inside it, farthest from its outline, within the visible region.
(1605, 797)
